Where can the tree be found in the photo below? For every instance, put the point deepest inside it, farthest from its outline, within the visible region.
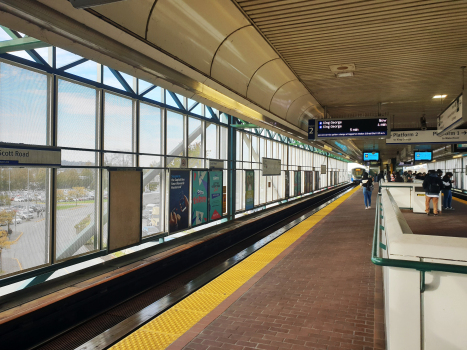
(5, 200)
(5, 243)
(61, 195)
(77, 193)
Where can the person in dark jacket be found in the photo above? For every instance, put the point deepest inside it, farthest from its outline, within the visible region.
(367, 185)
(380, 177)
(433, 186)
(447, 191)
(398, 178)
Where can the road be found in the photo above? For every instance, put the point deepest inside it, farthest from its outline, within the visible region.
(31, 241)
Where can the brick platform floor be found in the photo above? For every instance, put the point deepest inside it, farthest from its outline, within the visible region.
(451, 223)
(325, 294)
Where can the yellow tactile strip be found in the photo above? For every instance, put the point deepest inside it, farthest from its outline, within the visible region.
(163, 330)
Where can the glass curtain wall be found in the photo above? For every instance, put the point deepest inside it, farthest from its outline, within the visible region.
(101, 118)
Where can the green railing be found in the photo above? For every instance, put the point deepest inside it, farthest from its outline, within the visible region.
(415, 265)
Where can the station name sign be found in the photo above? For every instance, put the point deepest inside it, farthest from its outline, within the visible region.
(427, 136)
(452, 117)
(351, 128)
(30, 157)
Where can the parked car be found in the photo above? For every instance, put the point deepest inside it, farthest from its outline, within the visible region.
(18, 221)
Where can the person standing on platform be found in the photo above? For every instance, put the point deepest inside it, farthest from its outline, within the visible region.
(398, 178)
(447, 191)
(380, 177)
(433, 186)
(388, 176)
(367, 185)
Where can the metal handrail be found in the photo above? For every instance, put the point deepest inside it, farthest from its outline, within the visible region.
(416, 265)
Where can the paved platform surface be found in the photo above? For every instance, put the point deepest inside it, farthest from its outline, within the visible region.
(324, 294)
(452, 223)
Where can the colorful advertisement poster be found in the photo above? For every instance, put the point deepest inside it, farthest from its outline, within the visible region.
(249, 189)
(179, 207)
(299, 183)
(215, 195)
(295, 183)
(199, 208)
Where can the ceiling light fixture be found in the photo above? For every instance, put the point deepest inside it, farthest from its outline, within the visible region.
(344, 74)
(439, 96)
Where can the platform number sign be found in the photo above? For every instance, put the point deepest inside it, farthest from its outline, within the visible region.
(311, 129)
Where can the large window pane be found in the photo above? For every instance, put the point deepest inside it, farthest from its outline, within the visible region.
(175, 134)
(76, 116)
(211, 141)
(76, 227)
(24, 219)
(246, 147)
(149, 129)
(224, 142)
(118, 123)
(153, 205)
(23, 106)
(195, 144)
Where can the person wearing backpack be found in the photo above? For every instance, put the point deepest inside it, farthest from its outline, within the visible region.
(367, 184)
(447, 191)
(432, 186)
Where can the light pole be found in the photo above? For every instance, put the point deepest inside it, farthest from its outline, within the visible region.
(9, 185)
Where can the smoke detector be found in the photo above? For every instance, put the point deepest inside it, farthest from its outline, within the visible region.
(343, 70)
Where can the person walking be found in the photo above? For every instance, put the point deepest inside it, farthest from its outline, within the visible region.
(432, 186)
(367, 185)
(447, 191)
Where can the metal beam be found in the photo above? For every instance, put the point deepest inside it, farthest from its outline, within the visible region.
(32, 53)
(21, 44)
(243, 126)
(73, 64)
(121, 80)
(149, 89)
(177, 101)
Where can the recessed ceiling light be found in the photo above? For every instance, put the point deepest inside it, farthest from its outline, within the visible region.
(344, 74)
(439, 96)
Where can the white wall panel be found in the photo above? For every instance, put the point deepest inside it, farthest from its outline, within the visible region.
(132, 15)
(192, 30)
(284, 97)
(239, 57)
(300, 106)
(267, 80)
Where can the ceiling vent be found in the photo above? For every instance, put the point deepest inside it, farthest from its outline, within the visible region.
(343, 70)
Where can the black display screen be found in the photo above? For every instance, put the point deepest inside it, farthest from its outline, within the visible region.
(352, 127)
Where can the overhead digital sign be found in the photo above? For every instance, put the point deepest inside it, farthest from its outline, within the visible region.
(370, 156)
(352, 128)
(419, 156)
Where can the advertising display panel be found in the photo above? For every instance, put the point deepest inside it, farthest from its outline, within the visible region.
(179, 206)
(199, 195)
(421, 156)
(249, 189)
(310, 179)
(287, 185)
(306, 190)
(370, 156)
(299, 184)
(215, 195)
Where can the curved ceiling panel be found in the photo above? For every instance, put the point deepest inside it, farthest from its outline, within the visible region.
(238, 58)
(301, 106)
(284, 97)
(192, 30)
(132, 15)
(267, 80)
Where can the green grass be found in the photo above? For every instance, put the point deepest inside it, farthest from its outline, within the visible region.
(62, 207)
(73, 202)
